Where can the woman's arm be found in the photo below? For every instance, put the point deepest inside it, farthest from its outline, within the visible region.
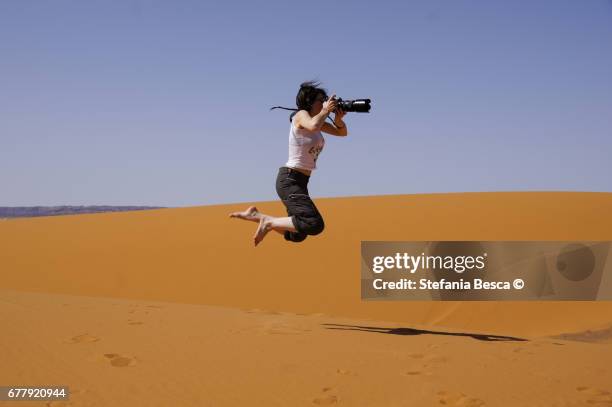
(340, 129)
(329, 129)
(315, 123)
(303, 120)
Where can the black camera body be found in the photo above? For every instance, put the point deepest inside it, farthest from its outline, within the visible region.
(357, 105)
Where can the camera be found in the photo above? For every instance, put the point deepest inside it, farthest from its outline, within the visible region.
(357, 105)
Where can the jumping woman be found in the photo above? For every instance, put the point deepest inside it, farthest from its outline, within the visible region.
(305, 144)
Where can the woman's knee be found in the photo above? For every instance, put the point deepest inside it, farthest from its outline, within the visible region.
(295, 236)
(314, 226)
(307, 218)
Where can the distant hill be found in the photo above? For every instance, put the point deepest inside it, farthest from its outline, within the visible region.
(30, 211)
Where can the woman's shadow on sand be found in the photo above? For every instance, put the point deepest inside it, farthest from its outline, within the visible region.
(414, 331)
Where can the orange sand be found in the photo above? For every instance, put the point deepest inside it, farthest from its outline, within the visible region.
(176, 307)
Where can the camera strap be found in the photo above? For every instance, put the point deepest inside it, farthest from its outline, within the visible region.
(296, 110)
(280, 107)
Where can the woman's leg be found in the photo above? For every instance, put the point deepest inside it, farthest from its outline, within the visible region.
(266, 222)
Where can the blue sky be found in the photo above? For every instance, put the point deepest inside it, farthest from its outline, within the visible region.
(166, 103)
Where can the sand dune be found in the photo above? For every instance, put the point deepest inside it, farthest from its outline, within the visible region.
(177, 304)
(197, 255)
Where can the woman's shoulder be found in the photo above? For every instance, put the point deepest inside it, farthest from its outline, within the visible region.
(298, 117)
(298, 129)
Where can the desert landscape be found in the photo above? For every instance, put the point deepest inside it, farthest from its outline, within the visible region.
(175, 307)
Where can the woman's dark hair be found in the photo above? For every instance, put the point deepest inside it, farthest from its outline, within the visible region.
(307, 95)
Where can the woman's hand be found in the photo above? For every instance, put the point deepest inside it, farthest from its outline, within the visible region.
(330, 104)
(339, 114)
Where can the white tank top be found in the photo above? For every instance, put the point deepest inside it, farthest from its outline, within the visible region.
(304, 148)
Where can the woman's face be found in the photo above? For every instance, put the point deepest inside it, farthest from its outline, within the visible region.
(317, 106)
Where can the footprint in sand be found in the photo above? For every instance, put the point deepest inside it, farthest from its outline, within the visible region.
(419, 368)
(436, 359)
(418, 372)
(326, 399)
(84, 338)
(117, 360)
(453, 398)
(597, 397)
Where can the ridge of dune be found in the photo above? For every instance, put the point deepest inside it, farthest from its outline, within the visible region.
(198, 255)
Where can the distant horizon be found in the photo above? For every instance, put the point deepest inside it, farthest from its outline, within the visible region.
(320, 197)
(11, 212)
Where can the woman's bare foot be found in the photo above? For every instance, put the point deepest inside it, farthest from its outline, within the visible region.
(265, 225)
(251, 214)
